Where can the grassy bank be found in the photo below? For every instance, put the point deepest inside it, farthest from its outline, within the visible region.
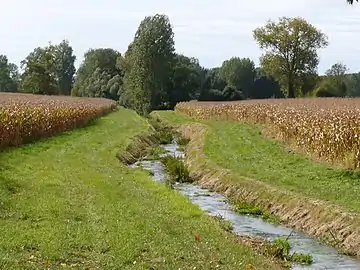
(243, 149)
(68, 202)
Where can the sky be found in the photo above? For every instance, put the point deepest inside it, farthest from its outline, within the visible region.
(212, 31)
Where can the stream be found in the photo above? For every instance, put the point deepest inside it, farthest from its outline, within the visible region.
(324, 257)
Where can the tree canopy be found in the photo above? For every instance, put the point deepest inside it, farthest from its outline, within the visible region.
(291, 46)
(99, 75)
(149, 61)
(49, 70)
(9, 75)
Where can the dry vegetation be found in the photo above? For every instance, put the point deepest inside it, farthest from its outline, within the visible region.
(328, 127)
(25, 117)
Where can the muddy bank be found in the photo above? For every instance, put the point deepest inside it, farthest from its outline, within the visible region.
(325, 221)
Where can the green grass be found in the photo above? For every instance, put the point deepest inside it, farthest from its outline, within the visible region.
(244, 150)
(253, 210)
(69, 201)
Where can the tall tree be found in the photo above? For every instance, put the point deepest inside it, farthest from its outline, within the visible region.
(291, 46)
(64, 66)
(238, 73)
(98, 68)
(39, 76)
(186, 79)
(150, 60)
(351, 1)
(9, 75)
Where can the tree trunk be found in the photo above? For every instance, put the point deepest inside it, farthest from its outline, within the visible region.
(291, 89)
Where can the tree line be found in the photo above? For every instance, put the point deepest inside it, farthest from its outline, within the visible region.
(150, 75)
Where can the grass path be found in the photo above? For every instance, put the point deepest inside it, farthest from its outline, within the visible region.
(67, 201)
(242, 149)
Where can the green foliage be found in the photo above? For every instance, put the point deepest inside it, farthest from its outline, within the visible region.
(211, 95)
(64, 60)
(265, 87)
(330, 88)
(226, 225)
(49, 70)
(280, 248)
(181, 140)
(177, 170)
(186, 79)
(163, 132)
(39, 72)
(291, 46)
(99, 75)
(9, 75)
(231, 93)
(239, 74)
(353, 85)
(149, 64)
(253, 210)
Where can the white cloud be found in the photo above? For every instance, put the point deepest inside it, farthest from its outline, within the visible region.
(210, 30)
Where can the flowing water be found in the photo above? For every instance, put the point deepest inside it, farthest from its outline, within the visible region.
(324, 257)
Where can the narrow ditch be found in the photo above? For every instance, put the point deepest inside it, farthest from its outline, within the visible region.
(323, 256)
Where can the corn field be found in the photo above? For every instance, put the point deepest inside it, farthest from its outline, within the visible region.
(326, 127)
(26, 117)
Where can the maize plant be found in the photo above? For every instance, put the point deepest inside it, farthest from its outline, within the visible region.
(26, 117)
(326, 127)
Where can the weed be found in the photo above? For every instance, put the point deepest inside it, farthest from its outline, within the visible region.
(164, 132)
(253, 210)
(177, 170)
(155, 153)
(224, 224)
(301, 258)
(280, 248)
(182, 141)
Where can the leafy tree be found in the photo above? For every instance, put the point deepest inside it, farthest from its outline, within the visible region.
(291, 46)
(39, 76)
(231, 93)
(353, 85)
(212, 85)
(64, 66)
(186, 79)
(150, 61)
(334, 84)
(99, 74)
(239, 74)
(49, 70)
(9, 75)
(265, 87)
(308, 82)
(328, 88)
(212, 95)
(351, 1)
(337, 71)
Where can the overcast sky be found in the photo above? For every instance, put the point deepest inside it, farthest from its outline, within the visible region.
(210, 30)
